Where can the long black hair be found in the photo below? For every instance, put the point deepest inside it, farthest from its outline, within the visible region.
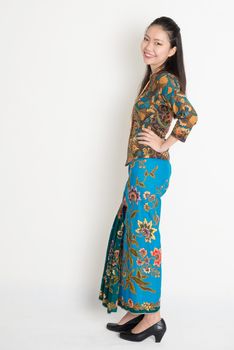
(175, 63)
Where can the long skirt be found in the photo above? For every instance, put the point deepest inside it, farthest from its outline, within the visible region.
(132, 273)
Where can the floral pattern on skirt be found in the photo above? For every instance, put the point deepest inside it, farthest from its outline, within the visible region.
(133, 271)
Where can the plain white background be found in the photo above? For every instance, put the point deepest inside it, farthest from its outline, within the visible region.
(69, 73)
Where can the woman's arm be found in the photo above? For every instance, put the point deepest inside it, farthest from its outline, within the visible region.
(148, 137)
(168, 143)
(182, 109)
(180, 105)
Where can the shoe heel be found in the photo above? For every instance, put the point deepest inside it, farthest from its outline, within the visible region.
(158, 336)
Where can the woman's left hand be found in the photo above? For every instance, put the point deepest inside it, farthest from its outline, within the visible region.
(149, 138)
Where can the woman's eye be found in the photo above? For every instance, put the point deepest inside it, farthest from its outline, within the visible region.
(148, 39)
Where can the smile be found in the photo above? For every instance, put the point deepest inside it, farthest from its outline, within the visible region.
(147, 55)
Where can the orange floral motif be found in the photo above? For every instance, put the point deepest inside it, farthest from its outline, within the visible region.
(134, 195)
(143, 252)
(132, 270)
(137, 307)
(146, 194)
(160, 103)
(157, 253)
(139, 262)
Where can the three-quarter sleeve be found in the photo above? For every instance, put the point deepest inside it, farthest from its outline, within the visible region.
(177, 101)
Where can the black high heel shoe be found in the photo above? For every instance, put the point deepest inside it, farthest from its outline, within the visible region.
(126, 326)
(158, 329)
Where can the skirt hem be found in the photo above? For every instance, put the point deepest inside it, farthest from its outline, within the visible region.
(111, 307)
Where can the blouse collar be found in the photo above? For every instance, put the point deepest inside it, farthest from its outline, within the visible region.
(159, 69)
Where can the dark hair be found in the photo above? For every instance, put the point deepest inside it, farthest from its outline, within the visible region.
(175, 63)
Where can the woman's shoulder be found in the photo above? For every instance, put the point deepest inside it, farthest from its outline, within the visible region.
(166, 78)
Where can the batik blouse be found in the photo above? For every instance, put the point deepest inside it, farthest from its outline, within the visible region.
(155, 109)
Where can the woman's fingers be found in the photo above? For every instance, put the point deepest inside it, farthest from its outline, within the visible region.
(144, 135)
(149, 131)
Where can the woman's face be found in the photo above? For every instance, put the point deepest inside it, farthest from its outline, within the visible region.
(155, 47)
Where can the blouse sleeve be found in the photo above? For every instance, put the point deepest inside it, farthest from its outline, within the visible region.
(182, 109)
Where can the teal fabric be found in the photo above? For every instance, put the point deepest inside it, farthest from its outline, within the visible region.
(158, 104)
(132, 273)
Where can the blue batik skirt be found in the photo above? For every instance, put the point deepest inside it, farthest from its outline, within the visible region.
(132, 272)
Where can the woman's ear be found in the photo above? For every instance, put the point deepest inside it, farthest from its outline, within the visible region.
(172, 51)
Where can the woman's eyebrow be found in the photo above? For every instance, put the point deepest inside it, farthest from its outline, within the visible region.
(154, 39)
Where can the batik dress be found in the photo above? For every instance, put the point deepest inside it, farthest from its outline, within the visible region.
(132, 274)
(133, 271)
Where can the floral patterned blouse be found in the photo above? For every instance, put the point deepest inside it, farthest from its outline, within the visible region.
(159, 103)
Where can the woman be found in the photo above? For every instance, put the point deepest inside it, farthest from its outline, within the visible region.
(132, 272)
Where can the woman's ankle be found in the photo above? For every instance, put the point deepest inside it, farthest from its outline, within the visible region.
(155, 316)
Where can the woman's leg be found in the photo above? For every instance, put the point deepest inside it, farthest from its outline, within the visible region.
(127, 317)
(148, 320)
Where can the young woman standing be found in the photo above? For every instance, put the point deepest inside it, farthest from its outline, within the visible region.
(132, 273)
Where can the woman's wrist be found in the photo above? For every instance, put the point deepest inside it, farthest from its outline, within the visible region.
(167, 143)
(164, 147)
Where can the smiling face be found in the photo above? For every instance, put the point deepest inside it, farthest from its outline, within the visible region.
(155, 47)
